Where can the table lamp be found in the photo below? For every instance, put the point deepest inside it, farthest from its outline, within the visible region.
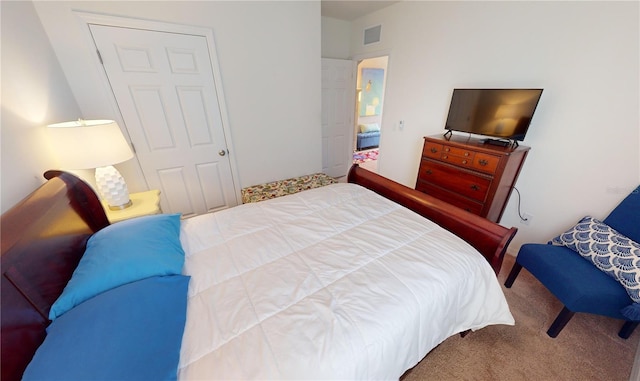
(87, 144)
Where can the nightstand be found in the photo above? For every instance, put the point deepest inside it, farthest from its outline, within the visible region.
(144, 203)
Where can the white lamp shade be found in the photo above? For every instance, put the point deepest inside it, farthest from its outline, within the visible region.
(95, 144)
(87, 144)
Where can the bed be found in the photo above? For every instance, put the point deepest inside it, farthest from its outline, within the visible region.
(356, 280)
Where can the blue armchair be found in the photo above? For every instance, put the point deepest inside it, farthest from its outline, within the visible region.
(577, 282)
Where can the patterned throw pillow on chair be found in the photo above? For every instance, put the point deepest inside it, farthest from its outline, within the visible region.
(610, 251)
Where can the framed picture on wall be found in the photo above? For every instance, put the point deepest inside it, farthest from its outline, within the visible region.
(371, 81)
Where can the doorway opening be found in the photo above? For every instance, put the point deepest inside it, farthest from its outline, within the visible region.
(370, 89)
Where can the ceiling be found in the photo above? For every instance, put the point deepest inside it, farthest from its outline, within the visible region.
(351, 10)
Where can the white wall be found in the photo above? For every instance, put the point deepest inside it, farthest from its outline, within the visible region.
(269, 59)
(34, 93)
(585, 134)
(335, 38)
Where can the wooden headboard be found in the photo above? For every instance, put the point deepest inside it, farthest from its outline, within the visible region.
(43, 238)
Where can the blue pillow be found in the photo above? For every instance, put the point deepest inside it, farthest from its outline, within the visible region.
(613, 253)
(132, 332)
(121, 253)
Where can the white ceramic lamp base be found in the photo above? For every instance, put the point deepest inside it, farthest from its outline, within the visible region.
(112, 187)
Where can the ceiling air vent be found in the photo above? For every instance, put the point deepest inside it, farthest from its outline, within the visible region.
(372, 35)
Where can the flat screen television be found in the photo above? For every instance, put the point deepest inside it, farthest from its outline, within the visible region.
(504, 114)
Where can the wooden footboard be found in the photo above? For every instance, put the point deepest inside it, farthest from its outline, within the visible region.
(489, 238)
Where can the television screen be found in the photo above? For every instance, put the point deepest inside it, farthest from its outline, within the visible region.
(499, 113)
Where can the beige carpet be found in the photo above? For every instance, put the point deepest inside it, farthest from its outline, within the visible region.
(588, 348)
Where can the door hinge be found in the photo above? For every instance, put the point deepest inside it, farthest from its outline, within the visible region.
(99, 57)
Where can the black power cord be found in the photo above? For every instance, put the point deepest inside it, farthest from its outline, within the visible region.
(520, 214)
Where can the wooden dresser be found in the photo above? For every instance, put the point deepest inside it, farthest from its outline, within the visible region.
(470, 174)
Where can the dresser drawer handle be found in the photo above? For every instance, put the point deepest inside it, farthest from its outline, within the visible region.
(483, 162)
(466, 154)
(434, 150)
(475, 187)
(447, 149)
(428, 172)
(464, 162)
(445, 156)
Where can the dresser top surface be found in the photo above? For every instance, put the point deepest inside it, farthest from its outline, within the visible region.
(476, 143)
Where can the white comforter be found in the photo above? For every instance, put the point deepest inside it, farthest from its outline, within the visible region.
(335, 282)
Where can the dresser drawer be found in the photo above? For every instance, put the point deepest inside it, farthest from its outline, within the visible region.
(451, 198)
(463, 161)
(455, 151)
(485, 162)
(454, 179)
(432, 150)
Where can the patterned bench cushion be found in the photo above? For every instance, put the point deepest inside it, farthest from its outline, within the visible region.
(280, 188)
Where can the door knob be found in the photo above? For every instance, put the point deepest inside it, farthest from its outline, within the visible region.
(222, 152)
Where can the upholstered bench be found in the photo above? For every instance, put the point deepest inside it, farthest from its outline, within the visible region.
(280, 188)
(367, 140)
(368, 136)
